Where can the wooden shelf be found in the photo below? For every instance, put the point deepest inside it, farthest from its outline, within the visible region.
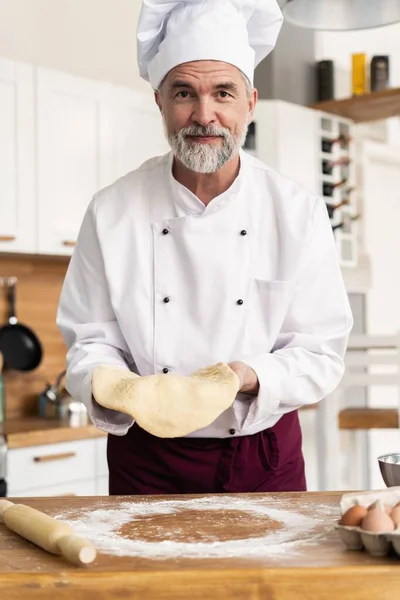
(369, 418)
(375, 106)
(31, 431)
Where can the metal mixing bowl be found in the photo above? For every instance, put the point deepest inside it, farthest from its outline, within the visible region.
(389, 465)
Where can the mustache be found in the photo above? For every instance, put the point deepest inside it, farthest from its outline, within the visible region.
(209, 130)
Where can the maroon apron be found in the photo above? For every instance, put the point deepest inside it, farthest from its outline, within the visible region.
(269, 461)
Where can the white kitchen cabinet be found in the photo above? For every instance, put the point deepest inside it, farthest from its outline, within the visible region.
(50, 464)
(102, 486)
(135, 126)
(71, 488)
(101, 457)
(89, 133)
(287, 139)
(101, 467)
(70, 139)
(69, 468)
(17, 180)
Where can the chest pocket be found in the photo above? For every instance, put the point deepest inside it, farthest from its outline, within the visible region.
(270, 300)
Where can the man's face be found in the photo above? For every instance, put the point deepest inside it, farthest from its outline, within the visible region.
(206, 108)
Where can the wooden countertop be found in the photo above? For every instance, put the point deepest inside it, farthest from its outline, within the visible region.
(30, 431)
(313, 565)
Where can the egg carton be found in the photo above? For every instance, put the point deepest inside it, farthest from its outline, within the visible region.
(355, 538)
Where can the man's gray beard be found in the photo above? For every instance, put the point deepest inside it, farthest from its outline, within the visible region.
(205, 158)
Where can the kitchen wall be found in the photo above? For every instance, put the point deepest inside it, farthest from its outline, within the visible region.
(38, 289)
(89, 38)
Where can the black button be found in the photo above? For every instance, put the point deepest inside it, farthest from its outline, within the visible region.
(232, 431)
(165, 370)
(243, 232)
(165, 231)
(240, 302)
(166, 300)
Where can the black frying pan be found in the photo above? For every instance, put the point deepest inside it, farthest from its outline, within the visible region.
(19, 345)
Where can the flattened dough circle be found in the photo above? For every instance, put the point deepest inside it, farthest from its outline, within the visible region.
(167, 406)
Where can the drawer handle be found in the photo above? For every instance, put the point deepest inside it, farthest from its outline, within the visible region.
(7, 238)
(69, 243)
(51, 457)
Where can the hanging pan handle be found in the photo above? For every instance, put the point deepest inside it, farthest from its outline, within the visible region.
(12, 317)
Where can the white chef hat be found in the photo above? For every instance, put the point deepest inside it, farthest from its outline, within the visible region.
(239, 32)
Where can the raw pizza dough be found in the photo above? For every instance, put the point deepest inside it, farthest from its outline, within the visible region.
(167, 406)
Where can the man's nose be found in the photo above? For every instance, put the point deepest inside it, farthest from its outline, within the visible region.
(204, 113)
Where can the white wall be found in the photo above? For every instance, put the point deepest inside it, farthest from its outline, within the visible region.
(339, 46)
(89, 38)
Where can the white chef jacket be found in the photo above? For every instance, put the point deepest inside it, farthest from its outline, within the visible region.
(159, 281)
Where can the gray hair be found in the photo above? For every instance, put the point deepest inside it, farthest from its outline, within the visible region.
(249, 87)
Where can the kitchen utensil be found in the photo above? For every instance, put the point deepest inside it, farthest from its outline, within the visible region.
(44, 531)
(389, 465)
(48, 405)
(19, 345)
(379, 73)
(341, 15)
(325, 80)
(56, 402)
(2, 392)
(3, 466)
(359, 73)
(72, 411)
(69, 409)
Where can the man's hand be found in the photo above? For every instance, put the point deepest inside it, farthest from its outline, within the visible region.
(249, 383)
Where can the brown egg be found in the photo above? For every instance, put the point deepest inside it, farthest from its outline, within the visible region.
(395, 515)
(353, 516)
(378, 521)
(386, 508)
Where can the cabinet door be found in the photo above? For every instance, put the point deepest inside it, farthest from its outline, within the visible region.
(101, 457)
(71, 488)
(286, 138)
(134, 122)
(69, 140)
(102, 486)
(17, 183)
(51, 464)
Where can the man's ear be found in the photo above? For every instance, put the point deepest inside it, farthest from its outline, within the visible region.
(252, 103)
(157, 98)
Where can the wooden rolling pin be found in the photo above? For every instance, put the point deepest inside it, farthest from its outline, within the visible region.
(46, 532)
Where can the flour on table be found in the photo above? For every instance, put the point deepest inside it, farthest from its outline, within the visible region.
(102, 527)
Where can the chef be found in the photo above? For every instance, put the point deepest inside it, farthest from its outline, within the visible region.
(207, 255)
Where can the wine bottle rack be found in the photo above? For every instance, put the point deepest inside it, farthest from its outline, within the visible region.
(338, 183)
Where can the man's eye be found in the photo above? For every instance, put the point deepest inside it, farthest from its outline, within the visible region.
(182, 94)
(224, 94)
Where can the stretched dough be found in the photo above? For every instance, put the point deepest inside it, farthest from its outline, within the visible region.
(167, 406)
